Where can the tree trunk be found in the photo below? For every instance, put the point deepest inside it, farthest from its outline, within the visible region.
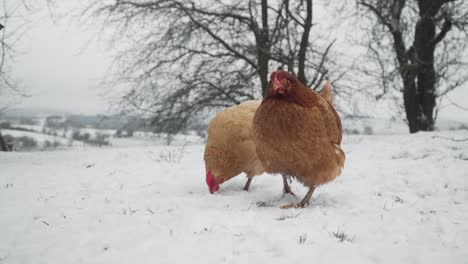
(410, 100)
(304, 44)
(416, 64)
(427, 98)
(426, 78)
(420, 97)
(263, 59)
(263, 48)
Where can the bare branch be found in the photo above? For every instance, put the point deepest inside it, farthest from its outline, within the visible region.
(180, 58)
(443, 32)
(431, 67)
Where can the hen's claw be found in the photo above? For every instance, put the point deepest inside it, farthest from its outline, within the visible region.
(304, 203)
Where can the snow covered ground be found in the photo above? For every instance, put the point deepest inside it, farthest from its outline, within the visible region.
(400, 199)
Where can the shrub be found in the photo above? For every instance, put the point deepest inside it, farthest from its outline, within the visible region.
(77, 135)
(27, 121)
(5, 125)
(27, 142)
(368, 130)
(21, 143)
(8, 138)
(99, 139)
(124, 133)
(351, 131)
(51, 144)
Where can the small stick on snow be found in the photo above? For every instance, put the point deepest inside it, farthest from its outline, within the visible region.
(384, 206)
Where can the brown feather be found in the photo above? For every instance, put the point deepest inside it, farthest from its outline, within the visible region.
(299, 134)
(327, 93)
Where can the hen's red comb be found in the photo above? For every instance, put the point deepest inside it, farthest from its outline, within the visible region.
(274, 76)
(210, 181)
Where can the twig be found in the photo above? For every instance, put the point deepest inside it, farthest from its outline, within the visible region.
(133, 211)
(342, 236)
(284, 217)
(302, 239)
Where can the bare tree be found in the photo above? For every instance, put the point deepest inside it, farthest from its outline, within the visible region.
(6, 84)
(9, 33)
(414, 47)
(12, 28)
(184, 57)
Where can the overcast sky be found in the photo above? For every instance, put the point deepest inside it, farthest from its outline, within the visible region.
(61, 63)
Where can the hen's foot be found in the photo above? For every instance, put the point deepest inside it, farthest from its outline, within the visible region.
(297, 205)
(304, 203)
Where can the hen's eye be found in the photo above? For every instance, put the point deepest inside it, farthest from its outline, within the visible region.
(289, 80)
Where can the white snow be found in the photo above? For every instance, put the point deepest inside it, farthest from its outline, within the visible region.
(400, 199)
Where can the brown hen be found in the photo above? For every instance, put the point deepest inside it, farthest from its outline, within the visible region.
(298, 133)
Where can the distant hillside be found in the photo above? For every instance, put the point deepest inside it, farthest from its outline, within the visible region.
(66, 120)
(381, 126)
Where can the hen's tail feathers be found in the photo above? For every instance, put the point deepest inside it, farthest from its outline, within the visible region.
(327, 92)
(340, 158)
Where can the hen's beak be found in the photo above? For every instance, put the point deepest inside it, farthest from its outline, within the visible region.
(213, 182)
(278, 87)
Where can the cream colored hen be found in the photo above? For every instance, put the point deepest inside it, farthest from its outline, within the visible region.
(230, 148)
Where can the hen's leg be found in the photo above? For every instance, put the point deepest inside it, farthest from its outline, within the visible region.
(304, 203)
(286, 187)
(306, 200)
(247, 184)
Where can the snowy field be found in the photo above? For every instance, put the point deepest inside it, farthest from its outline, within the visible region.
(400, 199)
